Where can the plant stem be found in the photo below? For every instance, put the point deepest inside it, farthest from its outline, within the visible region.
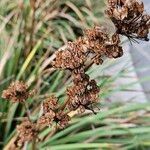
(27, 110)
(34, 144)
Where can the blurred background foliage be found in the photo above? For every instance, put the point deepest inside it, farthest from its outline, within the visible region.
(28, 38)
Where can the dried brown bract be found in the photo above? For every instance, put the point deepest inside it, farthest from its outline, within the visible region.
(129, 18)
(17, 92)
(27, 131)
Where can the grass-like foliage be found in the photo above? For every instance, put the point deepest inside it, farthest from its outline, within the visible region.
(53, 93)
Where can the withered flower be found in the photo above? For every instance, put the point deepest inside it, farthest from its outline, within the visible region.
(61, 119)
(83, 94)
(72, 57)
(50, 103)
(96, 39)
(27, 131)
(46, 118)
(129, 18)
(53, 113)
(17, 92)
(49, 106)
(102, 45)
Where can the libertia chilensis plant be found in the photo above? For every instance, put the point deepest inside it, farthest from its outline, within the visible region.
(93, 47)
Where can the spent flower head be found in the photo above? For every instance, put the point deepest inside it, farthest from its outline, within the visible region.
(53, 113)
(129, 18)
(27, 131)
(17, 92)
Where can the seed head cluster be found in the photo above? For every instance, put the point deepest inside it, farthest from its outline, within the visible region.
(17, 92)
(27, 131)
(93, 47)
(129, 18)
(83, 94)
(53, 113)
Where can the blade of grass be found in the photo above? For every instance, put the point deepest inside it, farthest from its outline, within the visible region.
(80, 146)
(101, 115)
(29, 58)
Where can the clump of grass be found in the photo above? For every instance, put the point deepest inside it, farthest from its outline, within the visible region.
(89, 49)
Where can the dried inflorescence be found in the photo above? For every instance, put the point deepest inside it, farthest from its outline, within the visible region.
(51, 103)
(17, 92)
(53, 113)
(129, 18)
(103, 45)
(96, 44)
(62, 119)
(83, 94)
(46, 118)
(72, 57)
(27, 131)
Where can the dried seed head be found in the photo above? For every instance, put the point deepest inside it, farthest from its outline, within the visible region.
(95, 45)
(50, 103)
(17, 92)
(129, 18)
(46, 119)
(103, 45)
(72, 57)
(82, 94)
(96, 38)
(62, 119)
(52, 113)
(27, 131)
